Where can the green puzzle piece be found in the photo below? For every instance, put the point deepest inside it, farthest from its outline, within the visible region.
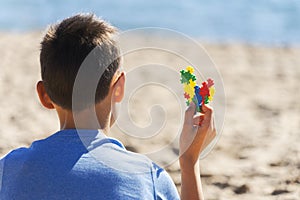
(186, 76)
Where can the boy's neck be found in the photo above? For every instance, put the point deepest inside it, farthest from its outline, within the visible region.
(98, 118)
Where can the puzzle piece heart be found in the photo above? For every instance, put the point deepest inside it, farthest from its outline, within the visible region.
(194, 93)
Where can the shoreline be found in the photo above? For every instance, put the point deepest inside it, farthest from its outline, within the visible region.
(40, 32)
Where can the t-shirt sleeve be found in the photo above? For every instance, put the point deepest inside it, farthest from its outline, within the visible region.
(164, 185)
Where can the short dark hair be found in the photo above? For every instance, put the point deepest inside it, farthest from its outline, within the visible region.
(64, 48)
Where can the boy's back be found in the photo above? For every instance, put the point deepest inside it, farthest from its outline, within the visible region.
(61, 167)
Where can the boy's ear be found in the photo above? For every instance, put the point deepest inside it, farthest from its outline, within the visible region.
(43, 96)
(119, 88)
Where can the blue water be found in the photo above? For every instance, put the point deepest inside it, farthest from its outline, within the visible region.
(271, 22)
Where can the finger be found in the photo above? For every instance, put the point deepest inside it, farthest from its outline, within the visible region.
(207, 118)
(197, 120)
(207, 109)
(189, 113)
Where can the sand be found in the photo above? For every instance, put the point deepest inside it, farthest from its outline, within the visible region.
(258, 154)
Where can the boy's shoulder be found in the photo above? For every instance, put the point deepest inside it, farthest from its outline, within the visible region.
(84, 148)
(14, 159)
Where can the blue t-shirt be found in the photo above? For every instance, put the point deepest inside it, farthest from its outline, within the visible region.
(82, 164)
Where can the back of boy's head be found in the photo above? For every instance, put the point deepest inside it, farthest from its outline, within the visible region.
(63, 50)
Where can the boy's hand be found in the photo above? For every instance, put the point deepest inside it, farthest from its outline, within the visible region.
(197, 132)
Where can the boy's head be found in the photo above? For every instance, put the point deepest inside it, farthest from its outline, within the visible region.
(63, 50)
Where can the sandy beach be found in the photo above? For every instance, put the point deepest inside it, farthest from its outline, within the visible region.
(258, 154)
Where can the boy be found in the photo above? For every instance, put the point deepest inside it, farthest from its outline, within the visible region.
(79, 161)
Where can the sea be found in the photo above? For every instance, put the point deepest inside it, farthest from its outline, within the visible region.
(267, 22)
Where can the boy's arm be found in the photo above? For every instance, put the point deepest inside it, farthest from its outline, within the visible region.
(194, 138)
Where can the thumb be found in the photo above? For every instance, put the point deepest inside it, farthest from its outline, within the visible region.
(189, 113)
(207, 110)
